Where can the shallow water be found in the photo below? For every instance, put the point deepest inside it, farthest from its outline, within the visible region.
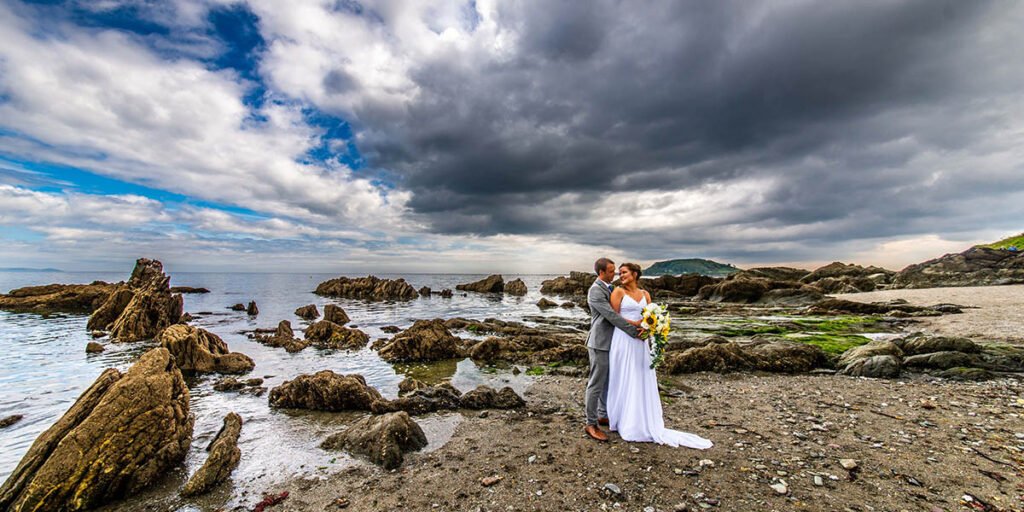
(44, 368)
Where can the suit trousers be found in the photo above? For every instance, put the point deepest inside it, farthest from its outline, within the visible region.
(596, 397)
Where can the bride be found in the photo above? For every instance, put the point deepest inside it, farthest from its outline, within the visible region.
(634, 405)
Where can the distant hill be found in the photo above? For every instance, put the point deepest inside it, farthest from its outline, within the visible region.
(1006, 243)
(690, 266)
(24, 269)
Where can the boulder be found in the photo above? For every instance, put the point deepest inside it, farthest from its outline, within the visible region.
(382, 439)
(188, 289)
(487, 351)
(871, 349)
(409, 385)
(334, 313)
(426, 340)
(252, 310)
(787, 357)
(941, 360)
(687, 285)
(140, 308)
(921, 344)
(284, 330)
(201, 351)
(367, 288)
(325, 391)
(121, 435)
(223, 459)
(879, 366)
(307, 312)
(10, 420)
(446, 293)
(233, 384)
(832, 306)
(391, 329)
(442, 397)
(544, 303)
(284, 337)
(326, 334)
(516, 287)
(425, 291)
(93, 348)
(484, 397)
(977, 266)
(576, 284)
(714, 357)
(490, 284)
(238, 307)
(742, 290)
(58, 298)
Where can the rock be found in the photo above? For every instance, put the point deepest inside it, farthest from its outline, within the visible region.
(490, 284)
(122, 434)
(612, 488)
(10, 420)
(367, 288)
(567, 305)
(446, 293)
(408, 385)
(487, 350)
(325, 391)
(425, 291)
(921, 344)
(334, 313)
(839, 277)
(744, 290)
(874, 348)
(941, 360)
(391, 329)
(223, 459)
(714, 357)
(576, 284)
(233, 384)
(284, 330)
(284, 336)
(881, 366)
(791, 296)
(544, 303)
(488, 481)
(780, 488)
(97, 334)
(188, 289)
(966, 374)
(199, 350)
(484, 397)
(977, 266)
(787, 357)
(326, 334)
(516, 287)
(141, 308)
(238, 307)
(426, 340)
(383, 439)
(848, 464)
(841, 306)
(818, 481)
(307, 312)
(58, 298)
(422, 401)
(93, 348)
(687, 285)
(773, 273)
(252, 310)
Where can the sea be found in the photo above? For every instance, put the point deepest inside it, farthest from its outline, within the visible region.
(44, 368)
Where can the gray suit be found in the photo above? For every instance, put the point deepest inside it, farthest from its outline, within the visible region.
(603, 321)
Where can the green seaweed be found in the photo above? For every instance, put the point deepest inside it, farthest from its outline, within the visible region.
(834, 344)
(840, 324)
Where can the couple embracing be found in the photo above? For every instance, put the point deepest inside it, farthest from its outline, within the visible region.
(622, 392)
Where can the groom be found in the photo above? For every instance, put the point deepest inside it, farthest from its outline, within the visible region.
(603, 321)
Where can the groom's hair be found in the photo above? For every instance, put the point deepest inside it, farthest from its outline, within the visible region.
(602, 264)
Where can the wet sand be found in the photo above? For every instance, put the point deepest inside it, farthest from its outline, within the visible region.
(996, 313)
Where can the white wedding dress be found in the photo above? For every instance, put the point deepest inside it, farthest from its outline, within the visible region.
(634, 405)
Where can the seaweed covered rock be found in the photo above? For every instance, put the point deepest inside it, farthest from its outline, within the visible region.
(334, 313)
(307, 312)
(443, 397)
(490, 284)
(223, 459)
(516, 287)
(367, 288)
(787, 357)
(327, 334)
(713, 357)
(871, 349)
(881, 366)
(485, 397)
(140, 308)
(426, 340)
(58, 298)
(325, 391)
(199, 350)
(121, 435)
(382, 439)
(921, 344)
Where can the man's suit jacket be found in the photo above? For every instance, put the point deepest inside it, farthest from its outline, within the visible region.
(604, 319)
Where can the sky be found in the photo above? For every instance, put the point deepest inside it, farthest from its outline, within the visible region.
(506, 136)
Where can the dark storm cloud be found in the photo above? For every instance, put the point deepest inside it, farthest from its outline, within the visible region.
(624, 97)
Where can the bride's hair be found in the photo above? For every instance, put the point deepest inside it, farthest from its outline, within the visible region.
(634, 268)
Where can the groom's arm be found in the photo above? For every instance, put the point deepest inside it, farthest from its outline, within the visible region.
(600, 305)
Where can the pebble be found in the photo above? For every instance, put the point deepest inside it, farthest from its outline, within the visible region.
(633, 449)
(484, 414)
(531, 459)
(818, 481)
(614, 489)
(706, 463)
(780, 488)
(488, 481)
(649, 509)
(848, 464)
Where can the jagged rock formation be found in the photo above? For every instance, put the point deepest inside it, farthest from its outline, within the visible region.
(751, 290)
(223, 459)
(199, 350)
(772, 273)
(841, 306)
(308, 312)
(58, 298)
(334, 313)
(408, 385)
(367, 288)
(839, 277)
(426, 340)
(326, 334)
(140, 308)
(122, 434)
(284, 337)
(490, 284)
(382, 439)
(676, 286)
(325, 391)
(251, 309)
(948, 357)
(977, 266)
(516, 287)
(445, 397)
(576, 284)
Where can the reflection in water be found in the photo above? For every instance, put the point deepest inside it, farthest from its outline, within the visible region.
(44, 368)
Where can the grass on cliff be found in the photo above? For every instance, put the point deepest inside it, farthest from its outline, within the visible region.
(1016, 241)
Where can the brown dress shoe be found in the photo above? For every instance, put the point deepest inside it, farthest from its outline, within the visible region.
(596, 433)
(602, 421)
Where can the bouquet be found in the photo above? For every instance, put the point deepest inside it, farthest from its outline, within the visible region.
(657, 322)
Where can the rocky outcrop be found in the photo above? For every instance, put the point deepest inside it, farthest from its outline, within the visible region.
(253, 386)
(445, 397)
(426, 340)
(326, 334)
(334, 313)
(749, 290)
(956, 358)
(283, 337)
(713, 357)
(238, 307)
(719, 355)
(490, 284)
(516, 287)
(485, 397)
(687, 285)
(772, 273)
(223, 459)
(367, 288)
(10, 420)
(786, 357)
(93, 348)
(878, 367)
(545, 303)
(140, 308)
(58, 298)
(916, 344)
(124, 432)
(251, 309)
(977, 266)
(308, 312)
(382, 439)
(325, 391)
(874, 348)
(831, 306)
(839, 277)
(188, 289)
(201, 351)
(424, 291)
(409, 384)
(576, 284)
